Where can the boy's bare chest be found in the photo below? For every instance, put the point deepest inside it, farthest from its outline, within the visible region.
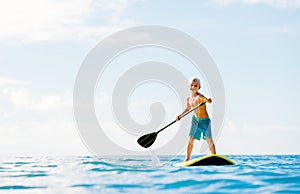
(194, 101)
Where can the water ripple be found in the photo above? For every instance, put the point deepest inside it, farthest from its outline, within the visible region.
(17, 187)
(252, 174)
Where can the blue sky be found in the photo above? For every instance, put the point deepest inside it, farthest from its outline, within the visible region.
(254, 43)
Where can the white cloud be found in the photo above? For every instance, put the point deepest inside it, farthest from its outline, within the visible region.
(273, 3)
(232, 126)
(115, 9)
(9, 81)
(23, 99)
(223, 2)
(269, 128)
(288, 30)
(38, 20)
(53, 102)
(258, 139)
(6, 115)
(48, 103)
(53, 134)
(20, 98)
(31, 124)
(47, 20)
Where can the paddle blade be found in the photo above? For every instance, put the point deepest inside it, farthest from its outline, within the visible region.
(147, 140)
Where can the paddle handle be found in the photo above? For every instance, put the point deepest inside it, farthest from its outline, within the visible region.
(183, 115)
(166, 126)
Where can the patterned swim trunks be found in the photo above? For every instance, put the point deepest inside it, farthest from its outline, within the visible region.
(200, 127)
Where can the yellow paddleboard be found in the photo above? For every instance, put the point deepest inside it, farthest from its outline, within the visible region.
(215, 160)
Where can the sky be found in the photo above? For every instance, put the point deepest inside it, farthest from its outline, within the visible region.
(254, 43)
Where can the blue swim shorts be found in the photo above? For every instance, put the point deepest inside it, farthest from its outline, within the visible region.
(200, 127)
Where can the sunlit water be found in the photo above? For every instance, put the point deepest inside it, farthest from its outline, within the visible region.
(252, 174)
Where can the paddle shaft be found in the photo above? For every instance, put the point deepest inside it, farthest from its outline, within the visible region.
(182, 116)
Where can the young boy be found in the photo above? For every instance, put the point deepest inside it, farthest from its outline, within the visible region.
(200, 124)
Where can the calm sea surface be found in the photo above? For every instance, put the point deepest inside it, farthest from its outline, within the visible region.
(252, 174)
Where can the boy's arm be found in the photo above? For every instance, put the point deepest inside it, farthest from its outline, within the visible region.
(204, 99)
(188, 107)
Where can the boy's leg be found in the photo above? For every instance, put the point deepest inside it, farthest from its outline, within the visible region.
(189, 149)
(211, 145)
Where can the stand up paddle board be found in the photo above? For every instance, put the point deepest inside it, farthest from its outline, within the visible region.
(215, 160)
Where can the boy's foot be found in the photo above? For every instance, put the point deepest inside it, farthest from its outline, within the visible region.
(187, 159)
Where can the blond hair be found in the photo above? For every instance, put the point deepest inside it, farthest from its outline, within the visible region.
(195, 79)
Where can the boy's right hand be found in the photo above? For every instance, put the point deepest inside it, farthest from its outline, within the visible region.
(177, 118)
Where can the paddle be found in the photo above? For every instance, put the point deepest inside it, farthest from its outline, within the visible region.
(148, 139)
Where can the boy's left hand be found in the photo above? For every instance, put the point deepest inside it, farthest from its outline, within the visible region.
(208, 100)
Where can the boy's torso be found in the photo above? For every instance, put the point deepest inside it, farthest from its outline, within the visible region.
(194, 101)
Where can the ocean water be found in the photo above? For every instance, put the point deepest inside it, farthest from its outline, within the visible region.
(251, 174)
